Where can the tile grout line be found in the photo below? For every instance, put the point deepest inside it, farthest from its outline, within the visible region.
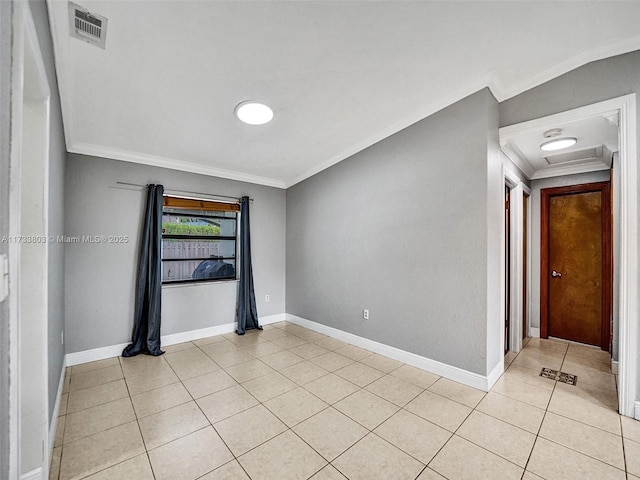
(535, 441)
(359, 361)
(181, 381)
(577, 421)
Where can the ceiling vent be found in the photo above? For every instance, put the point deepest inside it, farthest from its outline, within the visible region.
(588, 154)
(86, 26)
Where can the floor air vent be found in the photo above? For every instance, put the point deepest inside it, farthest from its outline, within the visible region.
(86, 26)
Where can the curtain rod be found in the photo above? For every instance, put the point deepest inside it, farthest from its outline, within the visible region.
(184, 191)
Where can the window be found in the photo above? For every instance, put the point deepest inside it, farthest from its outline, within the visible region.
(198, 240)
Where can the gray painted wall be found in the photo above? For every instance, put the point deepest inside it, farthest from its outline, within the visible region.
(5, 136)
(57, 158)
(401, 229)
(592, 83)
(495, 251)
(101, 277)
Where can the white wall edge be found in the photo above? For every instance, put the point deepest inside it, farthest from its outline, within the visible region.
(637, 411)
(56, 408)
(32, 475)
(628, 285)
(534, 332)
(495, 374)
(433, 366)
(110, 351)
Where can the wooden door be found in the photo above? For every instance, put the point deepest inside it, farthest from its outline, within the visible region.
(576, 263)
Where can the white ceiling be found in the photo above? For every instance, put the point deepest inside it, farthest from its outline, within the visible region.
(597, 139)
(339, 75)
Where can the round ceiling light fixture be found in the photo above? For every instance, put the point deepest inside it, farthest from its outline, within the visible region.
(558, 144)
(254, 113)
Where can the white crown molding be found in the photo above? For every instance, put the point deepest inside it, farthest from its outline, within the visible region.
(589, 54)
(499, 90)
(472, 87)
(605, 108)
(173, 164)
(586, 167)
(456, 374)
(517, 157)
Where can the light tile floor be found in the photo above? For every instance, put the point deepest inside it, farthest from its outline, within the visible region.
(289, 403)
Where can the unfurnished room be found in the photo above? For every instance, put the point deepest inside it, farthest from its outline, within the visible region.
(271, 240)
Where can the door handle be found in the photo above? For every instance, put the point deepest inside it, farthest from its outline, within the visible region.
(555, 274)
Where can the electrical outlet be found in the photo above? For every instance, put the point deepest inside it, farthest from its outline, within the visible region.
(366, 314)
(266, 298)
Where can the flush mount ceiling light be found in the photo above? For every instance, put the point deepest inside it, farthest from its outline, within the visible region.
(556, 143)
(254, 113)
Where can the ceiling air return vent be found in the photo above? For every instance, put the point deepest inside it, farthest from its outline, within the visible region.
(86, 26)
(588, 154)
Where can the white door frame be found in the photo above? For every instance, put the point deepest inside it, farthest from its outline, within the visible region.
(516, 258)
(625, 109)
(29, 90)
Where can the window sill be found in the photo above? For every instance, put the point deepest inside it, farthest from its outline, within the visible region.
(191, 284)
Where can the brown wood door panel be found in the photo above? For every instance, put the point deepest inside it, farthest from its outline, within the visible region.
(576, 243)
(575, 251)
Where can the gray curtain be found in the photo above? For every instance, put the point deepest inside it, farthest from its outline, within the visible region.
(146, 327)
(246, 311)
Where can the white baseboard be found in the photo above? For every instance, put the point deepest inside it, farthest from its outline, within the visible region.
(56, 409)
(495, 374)
(448, 371)
(101, 353)
(94, 354)
(636, 414)
(32, 475)
(614, 367)
(278, 317)
(534, 332)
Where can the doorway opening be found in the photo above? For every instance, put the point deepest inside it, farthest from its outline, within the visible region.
(621, 114)
(575, 269)
(515, 245)
(28, 253)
